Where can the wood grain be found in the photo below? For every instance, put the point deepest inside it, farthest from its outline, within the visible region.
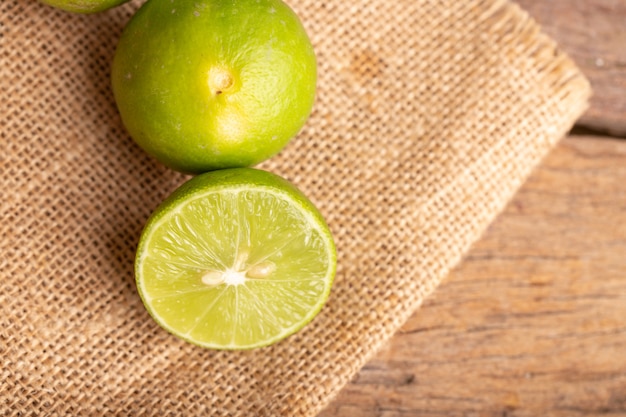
(593, 33)
(533, 322)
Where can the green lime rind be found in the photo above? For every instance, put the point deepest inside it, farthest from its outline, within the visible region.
(233, 317)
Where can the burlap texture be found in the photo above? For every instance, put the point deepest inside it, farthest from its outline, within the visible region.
(429, 115)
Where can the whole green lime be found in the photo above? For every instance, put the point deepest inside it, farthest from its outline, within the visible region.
(83, 6)
(211, 84)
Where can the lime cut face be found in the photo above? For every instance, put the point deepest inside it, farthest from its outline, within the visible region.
(235, 259)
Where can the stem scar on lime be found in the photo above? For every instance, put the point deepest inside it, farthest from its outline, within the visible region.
(220, 80)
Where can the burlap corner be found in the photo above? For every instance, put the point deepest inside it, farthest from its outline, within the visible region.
(429, 115)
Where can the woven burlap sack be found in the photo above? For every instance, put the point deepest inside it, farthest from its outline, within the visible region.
(429, 115)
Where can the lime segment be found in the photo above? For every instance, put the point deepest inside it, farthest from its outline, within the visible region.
(235, 259)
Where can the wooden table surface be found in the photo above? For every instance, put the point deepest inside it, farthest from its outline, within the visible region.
(533, 321)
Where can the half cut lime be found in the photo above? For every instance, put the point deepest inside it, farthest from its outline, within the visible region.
(235, 259)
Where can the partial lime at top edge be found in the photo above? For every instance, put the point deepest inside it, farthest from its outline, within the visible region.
(235, 259)
(83, 6)
(212, 84)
